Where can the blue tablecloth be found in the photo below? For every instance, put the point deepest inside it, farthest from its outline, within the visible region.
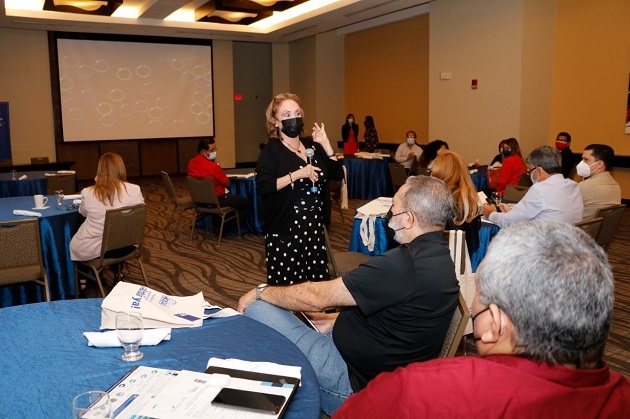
(56, 229)
(368, 178)
(480, 181)
(381, 245)
(46, 360)
(34, 184)
(252, 223)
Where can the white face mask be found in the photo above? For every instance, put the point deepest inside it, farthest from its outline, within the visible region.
(351, 121)
(411, 140)
(584, 169)
(212, 155)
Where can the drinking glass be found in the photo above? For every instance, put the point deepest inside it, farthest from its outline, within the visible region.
(14, 175)
(497, 197)
(129, 329)
(91, 404)
(59, 197)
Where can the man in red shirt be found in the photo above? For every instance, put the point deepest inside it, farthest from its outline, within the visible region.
(541, 317)
(203, 165)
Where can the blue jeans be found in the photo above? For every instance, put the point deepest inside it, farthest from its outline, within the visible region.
(319, 349)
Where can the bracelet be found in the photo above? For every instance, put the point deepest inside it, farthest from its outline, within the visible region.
(291, 178)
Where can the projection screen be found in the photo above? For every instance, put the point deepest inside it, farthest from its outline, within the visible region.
(114, 90)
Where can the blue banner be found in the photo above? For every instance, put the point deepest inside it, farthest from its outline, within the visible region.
(5, 135)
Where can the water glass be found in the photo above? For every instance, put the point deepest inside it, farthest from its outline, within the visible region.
(59, 197)
(91, 404)
(14, 175)
(497, 196)
(129, 330)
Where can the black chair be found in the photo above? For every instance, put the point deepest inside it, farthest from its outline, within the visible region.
(39, 160)
(65, 183)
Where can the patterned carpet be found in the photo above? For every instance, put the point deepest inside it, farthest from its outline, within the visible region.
(177, 266)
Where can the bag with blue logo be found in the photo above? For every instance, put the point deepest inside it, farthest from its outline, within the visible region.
(157, 309)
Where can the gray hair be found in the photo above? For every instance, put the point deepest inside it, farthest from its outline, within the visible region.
(429, 200)
(546, 157)
(555, 284)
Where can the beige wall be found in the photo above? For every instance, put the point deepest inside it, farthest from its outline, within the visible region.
(480, 40)
(386, 76)
(592, 62)
(25, 84)
(223, 79)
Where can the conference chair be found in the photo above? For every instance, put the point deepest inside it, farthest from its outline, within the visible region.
(181, 203)
(21, 254)
(514, 193)
(39, 160)
(591, 227)
(123, 234)
(342, 262)
(524, 180)
(611, 217)
(456, 328)
(205, 201)
(335, 195)
(66, 183)
(398, 175)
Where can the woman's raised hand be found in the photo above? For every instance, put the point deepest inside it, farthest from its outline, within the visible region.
(319, 134)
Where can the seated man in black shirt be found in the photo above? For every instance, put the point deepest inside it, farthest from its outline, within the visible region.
(399, 303)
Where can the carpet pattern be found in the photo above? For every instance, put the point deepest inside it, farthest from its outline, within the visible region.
(175, 265)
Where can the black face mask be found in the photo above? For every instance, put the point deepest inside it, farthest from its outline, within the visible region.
(292, 127)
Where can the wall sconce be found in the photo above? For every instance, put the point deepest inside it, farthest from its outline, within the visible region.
(96, 7)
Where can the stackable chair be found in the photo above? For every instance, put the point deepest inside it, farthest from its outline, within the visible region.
(611, 217)
(456, 329)
(123, 232)
(182, 203)
(21, 254)
(591, 227)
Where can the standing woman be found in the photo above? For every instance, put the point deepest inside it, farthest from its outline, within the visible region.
(290, 185)
(370, 136)
(350, 135)
(111, 190)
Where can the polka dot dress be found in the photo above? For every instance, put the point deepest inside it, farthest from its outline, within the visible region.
(299, 256)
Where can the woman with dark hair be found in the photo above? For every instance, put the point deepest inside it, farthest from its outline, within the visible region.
(452, 169)
(430, 152)
(291, 174)
(513, 165)
(370, 136)
(350, 135)
(499, 157)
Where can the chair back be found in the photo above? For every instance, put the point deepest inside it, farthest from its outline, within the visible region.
(21, 254)
(202, 191)
(124, 227)
(514, 193)
(413, 169)
(65, 183)
(39, 160)
(525, 180)
(611, 217)
(455, 329)
(398, 175)
(591, 227)
(168, 185)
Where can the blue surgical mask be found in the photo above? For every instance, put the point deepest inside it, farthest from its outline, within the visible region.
(531, 176)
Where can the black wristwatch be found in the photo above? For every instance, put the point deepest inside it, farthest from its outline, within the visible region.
(259, 290)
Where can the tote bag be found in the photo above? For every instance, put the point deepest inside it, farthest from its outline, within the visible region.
(463, 269)
(157, 309)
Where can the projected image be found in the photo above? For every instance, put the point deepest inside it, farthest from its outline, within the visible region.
(133, 90)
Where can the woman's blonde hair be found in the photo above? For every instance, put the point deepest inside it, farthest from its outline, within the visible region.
(451, 168)
(111, 176)
(272, 130)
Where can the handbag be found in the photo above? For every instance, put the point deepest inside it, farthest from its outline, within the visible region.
(463, 270)
(157, 309)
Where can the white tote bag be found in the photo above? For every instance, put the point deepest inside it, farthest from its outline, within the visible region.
(157, 309)
(465, 275)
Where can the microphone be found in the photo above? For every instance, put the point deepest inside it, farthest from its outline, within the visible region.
(309, 153)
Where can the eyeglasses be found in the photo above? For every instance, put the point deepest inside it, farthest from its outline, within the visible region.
(472, 318)
(530, 171)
